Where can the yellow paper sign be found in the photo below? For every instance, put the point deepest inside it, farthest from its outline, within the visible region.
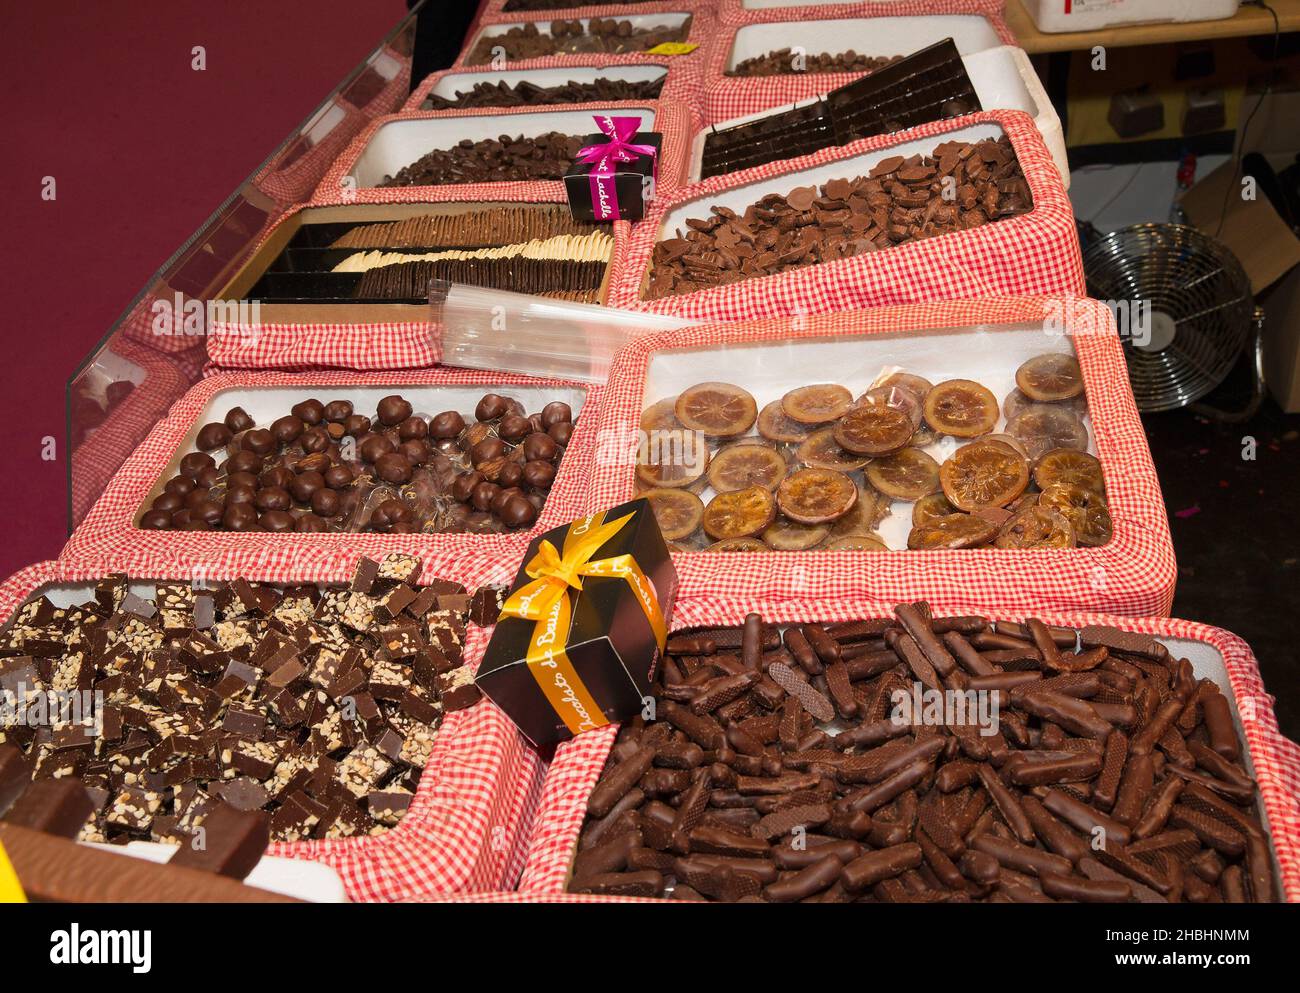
(11, 891)
(673, 48)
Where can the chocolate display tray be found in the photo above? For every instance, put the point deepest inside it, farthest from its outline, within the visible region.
(265, 403)
(401, 142)
(303, 239)
(988, 355)
(464, 81)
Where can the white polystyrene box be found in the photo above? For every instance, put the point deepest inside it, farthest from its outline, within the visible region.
(1089, 15)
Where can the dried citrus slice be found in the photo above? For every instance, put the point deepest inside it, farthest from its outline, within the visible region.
(1070, 467)
(1052, 377)
(961, 408)
(789, 536)
(983, 475)
(1016, 401)
(741, 514)
(906, 475)
(1009, 441)
(1085, 509)
(720, 410)
(930, 507)
(815, 496)
(746, 464)
(866, 514)
(816, 404)
(916, 384)
(898, 397)
(1041, 427)
(822, 451)
(922, 437)
(774, 425)
(737, 545)
(995, 515)
(854, 543)
(874, 429)
(678, 512)
(660, 416)
(1036, 526)
(952, 531)
(672, 457)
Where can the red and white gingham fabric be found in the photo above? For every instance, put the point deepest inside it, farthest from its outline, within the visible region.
(494, 11)
(577, 764)
(1133, 574)
(1035, 252)
(671, 121)
(108, 539)
(469, 819)
(724, 97)
(305, 347)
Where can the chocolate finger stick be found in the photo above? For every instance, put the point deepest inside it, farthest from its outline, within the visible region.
(1259, 864)
(612, 856)
(1005, 681)
(1052, 832)
(1156, 815)
(751, 641)
(1218, 725)
(1106, 789)
(703, 730)
(826, 647)
(645, 883)
(783, 822)
(1128, 642)
(910, 652)
(1082, 817)
(876, 866)
(1044, 642)
(803, 652)
(1236, 791)
(1145, 740)
(1077, 716)
(871, 663)
(1134, 788)
(1217, 765)
(1022, 858)
(722, 691)
(919, 627)
(1007, 804)
(840, 688)
(952, 776)
(695, 801)
(814, 702)
(1064, 637)
(875, 797)
(603, 828)
(872, 734)
(964, 652)
(940, 864)
(1086, 890)
(1053, 767)
(710, 840)
(806, 882)
(616, 784)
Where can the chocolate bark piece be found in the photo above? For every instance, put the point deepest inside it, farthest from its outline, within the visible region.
(55, 806)
(230, 842)
(15, 775)
(456, 689)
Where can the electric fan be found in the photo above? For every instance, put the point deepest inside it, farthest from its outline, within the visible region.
(1187, 309)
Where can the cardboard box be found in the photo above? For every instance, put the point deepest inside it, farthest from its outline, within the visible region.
(616, 185)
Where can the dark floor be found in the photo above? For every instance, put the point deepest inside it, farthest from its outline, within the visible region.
(1236, 534)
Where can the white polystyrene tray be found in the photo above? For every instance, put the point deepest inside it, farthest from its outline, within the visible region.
(740, 197)
(638, 21)
(988, 354)
(1089, 15)
(399, 143)
(465, 81)
(265, 403)
(878, 36)
(1004, 79)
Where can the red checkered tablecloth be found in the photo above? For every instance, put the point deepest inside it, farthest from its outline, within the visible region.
(577, 764)
(735, 12)
(1035, 252)
(470, 816)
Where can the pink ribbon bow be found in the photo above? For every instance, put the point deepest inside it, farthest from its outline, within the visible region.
(603, 159)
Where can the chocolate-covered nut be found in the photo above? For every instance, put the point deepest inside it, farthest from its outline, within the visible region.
(181, 518)
(535, 422)
(168, 501)
(556, 412)
(462, 488)
(413, 427)
(310, 412)
(194, 524)
(325, 502)
(513, 428)
(393, 410)
(395, 511)
(448, 424)
(511, 474)
(208, 478)
(156, 520)
(316, 462)
(286, 430)
(356, 425)
(561, 433)
(259, 441)
(195, 496)
(539, 475)
(208, 511)
(272, 498)
(338, 411)
(276, 520)
(372, 446)
(476, 432)
(240, 493)
(491, 407)
(180, 485)
(540, 447)
(245, 461)
(415, 450)
(212, 436)
(237, 420)
(305, 485)
(311, 524)
(518, 512)
(483, 495)
(393, 468)
(195, 462)
(277, 476)
(315, 440)
(448, 447)
(487, 449)
(338, 476)
(499, 501)
(234, 479)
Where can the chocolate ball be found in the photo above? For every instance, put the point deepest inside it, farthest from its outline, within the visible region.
(241, 479)
(237, 420)
(518, 512)
(338, 411)
(487, 449)
(311, 524)
(394, 511)
(194, 524)
(240, 494)
(195, 496)
(491, 406)
(356, 425)
(276, 476)
(207, 511)
(415, 450)
(535, 422)
(305, 484)
(462, 487)
(156, 520)
(513, 427)
(393, 468)
(515, 407)
(168, 501)
(316, 462)
(413, 427)
(272, 498)
(315, 440)
(259, 441)
(556, 412)
(245, 461)
(309, 411)
(286, 430)
(499, 501)
(393, 410)
(194, 463)
(372, 446)
(276, 520)
(448, 424)
(540, 446)
(560, 433)
(209, 477)
(212, 436)
(338, 476)
(511, 474)
(539, 475)
(180, 485)
(180, 518)
(326, 502)
(483, 495)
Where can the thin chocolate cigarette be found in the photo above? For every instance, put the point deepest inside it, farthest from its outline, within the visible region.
(1014, 855)
(693, 645)
(966, 654)
(944, 869)
(850, 632)
(751, 641)
(1052, 832)
(1007, 804)
(1074, 715)
(1044, 642)
(1106, 789)
(871, 734)
(704, 731)
(803, 652)
(762, 869)
(874, 797)
(1004, 680)
(1128, 642)
(992, 641)
(645, 883)
(1082, 817)
(1086, 890)
(719, 841)
(1121, 715)
(870, 663)
(1233, 791)
(872, 868)
(806, 882)
(1217, 765)
(616, 784)
(883, 762)
(844, 849)
(1154, 729)
(1259, 862)
(923, 634)
(1063, 768)
(1064, 637)
(1134, 788)
(723, 690)
(964, 624)
(1218, 725)
(910, 652)
(1014, 658)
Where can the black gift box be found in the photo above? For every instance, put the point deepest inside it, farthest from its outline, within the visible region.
(632, 183)
(610, 651)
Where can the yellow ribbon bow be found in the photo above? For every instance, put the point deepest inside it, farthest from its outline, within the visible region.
(545, 601)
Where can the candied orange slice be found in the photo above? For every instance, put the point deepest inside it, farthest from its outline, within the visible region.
(790, 536)
(874, 429)
(672, 457)
(983, 474)
(822, 451)
(1085, 509)
(744, 464)
(678, 512)
(738, 545)
(952, 531)
(918, 385)
(854, 543)
(929, 507)
(961, 408)
(1069, 467)
(816, 496)
(1036, 526)
(1040, 427)
(720, 410)
(1016, 401)
(906, 475)
(870, 509)
(742, 514)
(774, 425)
(1052, 377)
(816, 404)
(660, 416)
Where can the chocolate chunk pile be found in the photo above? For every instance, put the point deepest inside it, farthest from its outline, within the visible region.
(512, 5)
(914, 759)
(318, 707)
(325, 467)
(961, 185)
(504, 224)
(601, 34)
(785, 61)
(492, 160)
(526, 94)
